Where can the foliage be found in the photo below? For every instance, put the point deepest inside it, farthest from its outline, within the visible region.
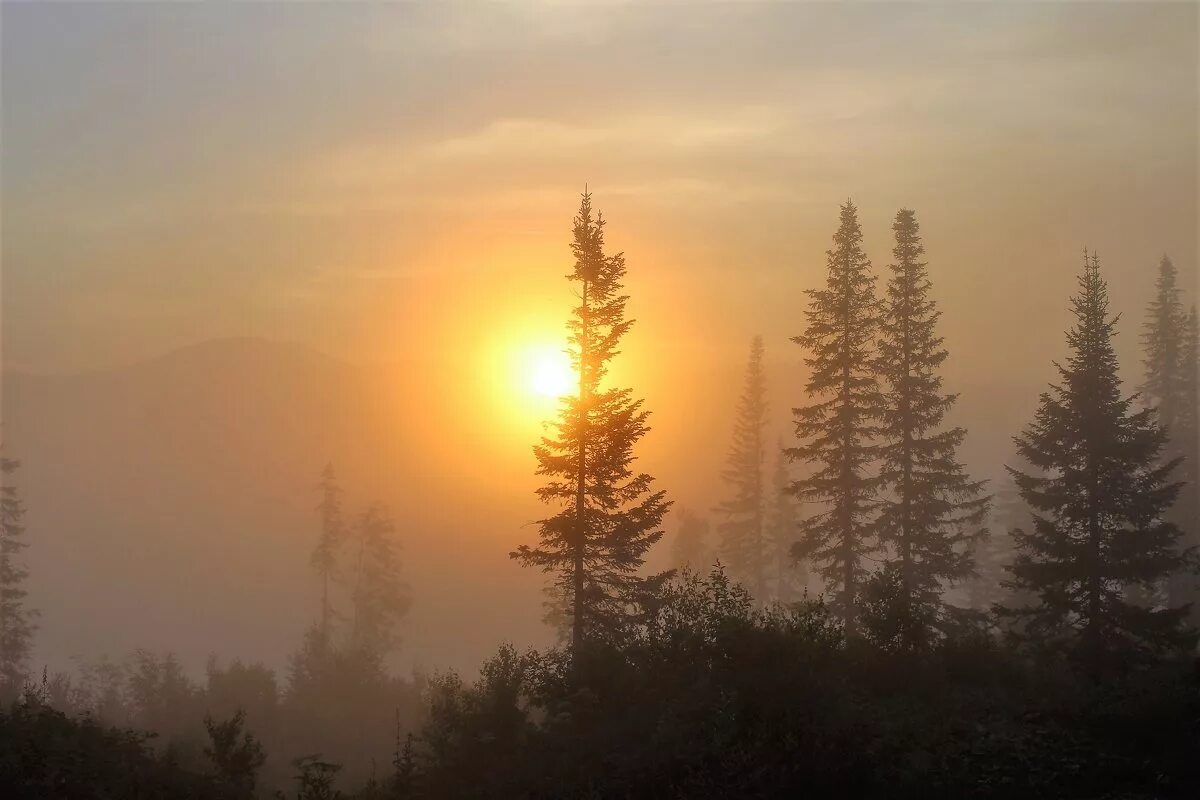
(839, 425)
(1099, 503)
(931, 510)
(717, 697)
(46, 754)
(16, 620)
(743, 546)
(379, 596)
(235, 754)
(609, 515)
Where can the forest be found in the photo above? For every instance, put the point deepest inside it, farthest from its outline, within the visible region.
(856, 616)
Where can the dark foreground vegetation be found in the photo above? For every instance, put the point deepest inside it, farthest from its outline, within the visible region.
(712, 698)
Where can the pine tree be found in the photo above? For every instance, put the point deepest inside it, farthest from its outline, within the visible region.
(325, 554)
(837, 429)
(931, 509)
(609, 516)
(16, 621)
(1099, 505)
(689, 546)
(782, 529)
(379, 597)
(743, 547)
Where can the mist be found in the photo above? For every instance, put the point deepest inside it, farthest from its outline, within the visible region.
(311, 322)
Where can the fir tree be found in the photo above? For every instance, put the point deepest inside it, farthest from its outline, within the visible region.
(782, 529)
(325, 553)
(931, 508)
(379, 597)
(689, 546)
(1099, 505)
(16, 621)
(609, 515)
(837, 428)
(743, 547)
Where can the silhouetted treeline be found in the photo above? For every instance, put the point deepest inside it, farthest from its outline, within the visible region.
(1050, 656)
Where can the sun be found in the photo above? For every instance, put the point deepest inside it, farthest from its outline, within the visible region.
(549, 372)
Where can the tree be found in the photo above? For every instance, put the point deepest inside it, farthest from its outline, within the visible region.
(930, 508)
(609, 516)
(782, 527)
(161, 696)
(837, 428)
(16, 620)
(742, 546)
(1164, 343)
(404, 765)
(1184, 588)
(315, 778)
(325, 553)
(235, 754)
(1099, 505)
(379, 596)
(689, 546)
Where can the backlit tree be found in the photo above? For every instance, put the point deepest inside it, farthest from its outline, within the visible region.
(609, 515)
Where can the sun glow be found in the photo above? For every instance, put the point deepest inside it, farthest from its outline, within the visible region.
(549, 373)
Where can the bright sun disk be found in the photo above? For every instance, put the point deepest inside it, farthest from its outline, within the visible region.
(550, 372)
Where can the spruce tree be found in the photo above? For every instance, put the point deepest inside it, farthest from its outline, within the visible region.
(1186, 587)
(1164, 342)
(1099, 505)
(325, 554)
(743, 549)
(930, 509)
(837, 428)
(609, 515)
(16, 621)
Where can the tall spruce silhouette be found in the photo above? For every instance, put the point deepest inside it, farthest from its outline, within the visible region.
(17, 624)
(743, 548)
(1164, 388)
(1163, 341)
(838, 427)
(609, 515)
(1186, 587)
(325, 554)
(930, 509)
(1099, 505)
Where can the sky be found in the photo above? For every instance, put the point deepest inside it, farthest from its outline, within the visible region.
(357, 176)
(393, 185)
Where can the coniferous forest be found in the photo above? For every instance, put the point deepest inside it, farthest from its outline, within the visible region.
(839, 439)
(1027, 637)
